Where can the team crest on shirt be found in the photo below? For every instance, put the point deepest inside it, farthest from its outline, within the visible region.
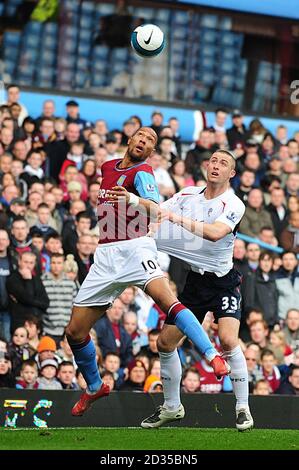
(210, 211)
(150, 187)
(121, 180)
(232, 216)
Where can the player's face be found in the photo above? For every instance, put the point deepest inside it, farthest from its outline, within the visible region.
(142, 144)
(220, 168)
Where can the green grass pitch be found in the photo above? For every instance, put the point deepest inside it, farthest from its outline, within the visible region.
(155, 439)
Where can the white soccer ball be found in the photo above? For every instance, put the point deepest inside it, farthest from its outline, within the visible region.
(148, 40)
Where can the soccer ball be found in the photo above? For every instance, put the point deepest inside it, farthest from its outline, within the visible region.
(148, 40)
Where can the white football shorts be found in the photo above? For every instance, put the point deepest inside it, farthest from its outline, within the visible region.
(116, 266)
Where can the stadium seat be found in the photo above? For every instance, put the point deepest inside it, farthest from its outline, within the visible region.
(209, 21)
(162, 15)
(34, 27)
(208, 36)
(225, 23)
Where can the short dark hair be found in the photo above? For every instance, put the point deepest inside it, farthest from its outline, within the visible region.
(154, 332)
(65, 363)
(267, 352)
(82, 215)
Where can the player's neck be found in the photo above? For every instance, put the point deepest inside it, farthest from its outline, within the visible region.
(214, 190)
(127, 162)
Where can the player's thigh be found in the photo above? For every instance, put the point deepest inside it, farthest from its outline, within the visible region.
(228, 331)
(169, 338)
(141, 263)
(82, 320)
(160, 292)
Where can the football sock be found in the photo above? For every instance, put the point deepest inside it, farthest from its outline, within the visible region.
(85, 357)
(186, 321)
(171, 374)
(238, 376)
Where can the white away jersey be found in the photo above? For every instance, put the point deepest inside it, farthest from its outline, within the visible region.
(216, 257)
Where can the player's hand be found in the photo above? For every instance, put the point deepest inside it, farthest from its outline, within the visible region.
(118, 193)
(168, 215)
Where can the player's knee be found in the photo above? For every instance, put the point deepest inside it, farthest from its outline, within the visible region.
(163, 345)
(228, 343)
(73, 335)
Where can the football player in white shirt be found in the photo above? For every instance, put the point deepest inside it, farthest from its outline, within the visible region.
(211, 214)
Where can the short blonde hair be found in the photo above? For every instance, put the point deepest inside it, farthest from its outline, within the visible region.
(70, 265)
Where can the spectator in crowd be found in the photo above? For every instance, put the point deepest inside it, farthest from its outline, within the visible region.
(259, 333)
(33, 325)
(292, 386)
(130, 323)
(13, 96)
(262, 387)
(44, 223)
(67, 375)
(194, 156)
(255, 372)
(251, 315)
(163, 179)
(28, 376)
(267, 235)
(287, 283)
(108, 379)
(253, 252)
(112, 364)
(292, 185)
(7, 379)
(136, 376)
(278, 345)
(255, 216)
(83, 255)
(58, 150)
(157, 122)
(220, 119)
(111, 334)
(151, 350)
(245, 185)
(26, 291)
(260, 290)
(291, 328)
(270, 370)
(191, 380)
(73, 115)
(48, 112)
(293, 204)
(18, 349)
(61, 292)
(71, 236)
(48, 372)
(5, 269)
(239, 258)
(179, 177)
(278, 211)
(236, 135)
(290, 235)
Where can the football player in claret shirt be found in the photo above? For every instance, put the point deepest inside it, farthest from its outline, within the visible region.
(128, 199)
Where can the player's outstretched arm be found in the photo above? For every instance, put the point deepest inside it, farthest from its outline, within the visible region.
(118, 193)
(212, 232)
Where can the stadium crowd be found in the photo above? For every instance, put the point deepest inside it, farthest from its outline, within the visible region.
(50, 172)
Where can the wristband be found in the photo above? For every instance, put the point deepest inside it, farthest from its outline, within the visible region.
(133, 200)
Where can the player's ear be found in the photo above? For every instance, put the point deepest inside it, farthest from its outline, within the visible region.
(232, 173)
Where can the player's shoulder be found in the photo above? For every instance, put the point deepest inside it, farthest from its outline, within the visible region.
(110, 164)
(143, 167)
(191, 191)
(233, 200)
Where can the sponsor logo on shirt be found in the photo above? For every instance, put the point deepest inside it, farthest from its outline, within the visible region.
(210, 211)
(232, 216)
(150, 187)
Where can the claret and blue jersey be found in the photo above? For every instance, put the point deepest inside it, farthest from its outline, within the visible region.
(119, 221)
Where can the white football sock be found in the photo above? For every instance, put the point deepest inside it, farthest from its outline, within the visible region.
(171, 374)
(238, 376)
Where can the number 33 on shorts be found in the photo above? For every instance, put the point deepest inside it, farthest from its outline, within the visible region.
(231, 303)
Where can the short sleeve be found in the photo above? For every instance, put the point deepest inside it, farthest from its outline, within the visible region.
(146, 186)
(232, 214)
